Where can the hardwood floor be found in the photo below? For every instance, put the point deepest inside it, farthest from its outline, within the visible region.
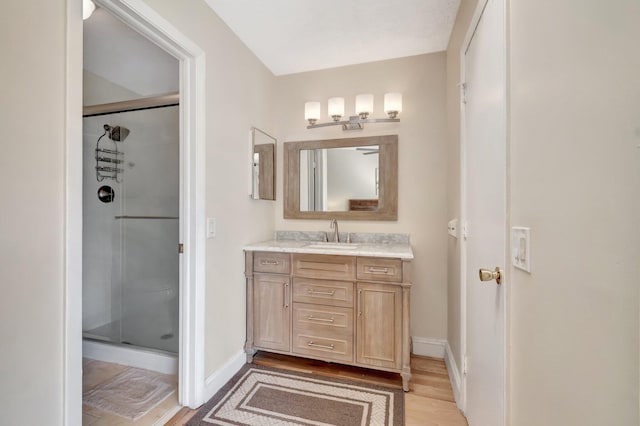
(429, 402)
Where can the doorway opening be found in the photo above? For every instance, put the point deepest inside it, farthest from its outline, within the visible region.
(131, 216)
(141, 18)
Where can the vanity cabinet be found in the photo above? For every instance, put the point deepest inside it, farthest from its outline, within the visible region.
(348, 309)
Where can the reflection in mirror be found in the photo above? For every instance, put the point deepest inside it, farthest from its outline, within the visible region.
(352, 178)
(339, 179)
(263, 165)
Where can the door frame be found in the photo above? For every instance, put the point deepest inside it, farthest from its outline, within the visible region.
(475, 20)
(150, 24)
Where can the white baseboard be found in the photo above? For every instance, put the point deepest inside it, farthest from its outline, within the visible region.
(167, 416)
(214, 382)
(428, 347)
(133, 357)
(454, 375)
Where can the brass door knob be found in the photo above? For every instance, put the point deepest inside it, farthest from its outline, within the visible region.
(488, 275)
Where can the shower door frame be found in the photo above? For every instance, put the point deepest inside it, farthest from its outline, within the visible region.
(143, 19)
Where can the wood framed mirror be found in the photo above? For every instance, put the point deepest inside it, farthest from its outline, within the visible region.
(346, 179)
(263, 165)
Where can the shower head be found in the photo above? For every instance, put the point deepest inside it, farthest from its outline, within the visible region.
(116, 133)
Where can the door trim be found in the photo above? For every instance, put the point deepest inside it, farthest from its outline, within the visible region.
(475, 20)
(72, 309)
(145, 20)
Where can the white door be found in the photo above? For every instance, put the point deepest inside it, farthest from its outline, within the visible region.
(484, 150)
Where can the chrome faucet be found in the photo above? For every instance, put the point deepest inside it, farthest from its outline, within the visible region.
(334, 226)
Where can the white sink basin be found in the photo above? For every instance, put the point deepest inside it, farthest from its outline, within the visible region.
(333, 246)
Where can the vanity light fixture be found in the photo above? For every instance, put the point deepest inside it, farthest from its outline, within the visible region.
(364, 107)
(87, 8)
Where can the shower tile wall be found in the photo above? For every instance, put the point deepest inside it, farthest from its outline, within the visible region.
(100, 241)
(130, 267)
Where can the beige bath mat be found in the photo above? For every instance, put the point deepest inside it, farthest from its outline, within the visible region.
(131, 394)
(258, 396)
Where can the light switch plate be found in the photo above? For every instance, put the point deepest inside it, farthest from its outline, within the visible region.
(211, 227)
(452, 228)
(521, 248)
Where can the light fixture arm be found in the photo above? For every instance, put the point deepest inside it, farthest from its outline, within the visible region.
(354, 123)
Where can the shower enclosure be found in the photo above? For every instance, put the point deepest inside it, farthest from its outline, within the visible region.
(131, 228)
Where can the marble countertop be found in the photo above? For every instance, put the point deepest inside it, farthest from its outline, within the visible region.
(395, 250)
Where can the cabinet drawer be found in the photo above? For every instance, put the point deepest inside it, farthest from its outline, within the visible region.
(327, 335)
(322, 320)
(324, 266)
(324, 292)
(379, 269)
(323, 347)
(275, 263)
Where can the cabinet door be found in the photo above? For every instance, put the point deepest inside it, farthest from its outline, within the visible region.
(379, 325)
(272, 312)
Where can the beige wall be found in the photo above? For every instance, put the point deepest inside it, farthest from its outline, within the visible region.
(575, 98)
(459, 32)
(32, 169)
(239, 95)
(422, 171)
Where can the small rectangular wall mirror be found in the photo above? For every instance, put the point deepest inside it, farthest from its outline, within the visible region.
(353, 179)
(263, 165)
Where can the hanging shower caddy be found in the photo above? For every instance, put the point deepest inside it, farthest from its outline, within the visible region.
(107, 155)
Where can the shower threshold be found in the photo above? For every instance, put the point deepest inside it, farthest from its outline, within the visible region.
(150, 335)
(130, 355)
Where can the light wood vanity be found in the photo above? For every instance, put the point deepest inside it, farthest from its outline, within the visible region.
(347, 308)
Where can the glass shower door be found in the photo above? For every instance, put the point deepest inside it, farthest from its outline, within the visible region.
(131, 279)
(150, 231)
(149, 278)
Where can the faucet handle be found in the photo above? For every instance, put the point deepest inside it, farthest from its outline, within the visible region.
(348, 238)
(326, 238)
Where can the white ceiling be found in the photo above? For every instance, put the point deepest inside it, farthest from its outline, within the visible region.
(291, 36)
(288, 36)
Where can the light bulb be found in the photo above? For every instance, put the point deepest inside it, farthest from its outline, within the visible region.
(393, 104)
(336, 108)
(312, 112)
(87, 8)
(364, 105)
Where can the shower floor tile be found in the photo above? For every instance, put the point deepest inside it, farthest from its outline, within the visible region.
(96, 372)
